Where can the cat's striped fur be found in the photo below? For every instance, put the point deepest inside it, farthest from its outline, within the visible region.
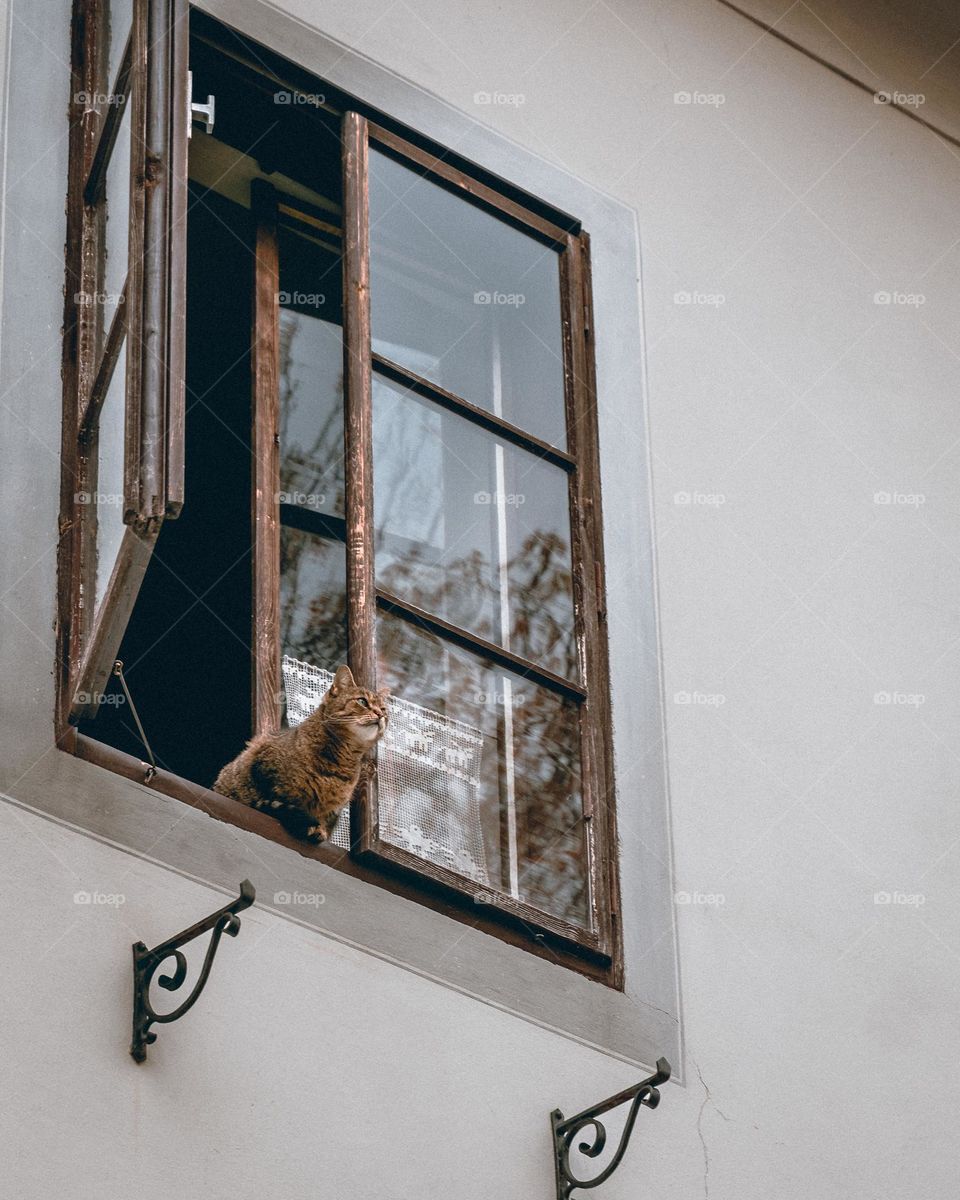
(305, 775)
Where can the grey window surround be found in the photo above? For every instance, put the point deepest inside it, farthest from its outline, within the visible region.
(637, 1025)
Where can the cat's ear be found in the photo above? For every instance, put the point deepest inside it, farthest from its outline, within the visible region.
(342, 679)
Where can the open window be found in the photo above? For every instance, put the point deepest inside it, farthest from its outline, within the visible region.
(125, 397)
(386, 455)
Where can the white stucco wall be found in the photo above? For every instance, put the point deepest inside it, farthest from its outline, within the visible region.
(819, 1024)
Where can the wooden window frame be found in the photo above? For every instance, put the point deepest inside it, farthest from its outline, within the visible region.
(365, 598)
(148, 323)
(596, 952)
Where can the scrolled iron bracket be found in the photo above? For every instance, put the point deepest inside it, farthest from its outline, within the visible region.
(146, 962)
(564, 1131)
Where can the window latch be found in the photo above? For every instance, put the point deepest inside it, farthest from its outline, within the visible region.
(204, 113)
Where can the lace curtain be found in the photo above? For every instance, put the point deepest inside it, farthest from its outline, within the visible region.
(428, 777)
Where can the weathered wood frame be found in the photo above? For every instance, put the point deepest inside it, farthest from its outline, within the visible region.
(148, 321)
(597, 952)
(265, 455)
(580, 461)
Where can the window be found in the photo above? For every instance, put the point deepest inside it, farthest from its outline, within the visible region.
(387, 455)
(124, 326)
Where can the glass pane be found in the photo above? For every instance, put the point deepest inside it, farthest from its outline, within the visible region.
(121, 22)
(480, 772)
(311, 374)
(118, 217)
(313, 603)
(472, 529)
(313, 599)
(311, 413)
(465, 300)
(108, 497)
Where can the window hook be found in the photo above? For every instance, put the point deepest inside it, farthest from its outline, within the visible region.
(149, 769)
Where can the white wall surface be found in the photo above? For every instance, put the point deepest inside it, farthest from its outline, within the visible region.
(820, 1025)
(306, 1068)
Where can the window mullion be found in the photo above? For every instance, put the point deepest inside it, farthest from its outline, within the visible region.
(358, 440)
(157, 167)
(90, 339)
(265, 483)
(135, 264)
(490, 421)
(91, 405)
(97, 176)
(479, 646)
(176, 344)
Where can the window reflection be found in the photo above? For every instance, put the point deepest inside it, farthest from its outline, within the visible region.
(465, 300)
(472, 529)
(313, 605)
(311, 413)
(526, 795)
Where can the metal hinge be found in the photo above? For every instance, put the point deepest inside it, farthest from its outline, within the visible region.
(204, 113)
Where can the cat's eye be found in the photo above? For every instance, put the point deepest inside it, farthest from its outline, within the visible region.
(363, 703)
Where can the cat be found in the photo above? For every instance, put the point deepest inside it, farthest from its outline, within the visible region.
(305, 775)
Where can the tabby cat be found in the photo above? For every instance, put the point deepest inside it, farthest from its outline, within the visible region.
(305, 775)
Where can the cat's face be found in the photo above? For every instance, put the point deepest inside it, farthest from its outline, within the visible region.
(355, 710)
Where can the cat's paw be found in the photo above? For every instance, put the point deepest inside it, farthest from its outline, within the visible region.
(316, 834)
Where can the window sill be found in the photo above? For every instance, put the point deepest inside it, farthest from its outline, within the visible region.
(394, 879)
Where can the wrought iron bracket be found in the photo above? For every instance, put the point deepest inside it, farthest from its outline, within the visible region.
(146, 962)
(564, 1131)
